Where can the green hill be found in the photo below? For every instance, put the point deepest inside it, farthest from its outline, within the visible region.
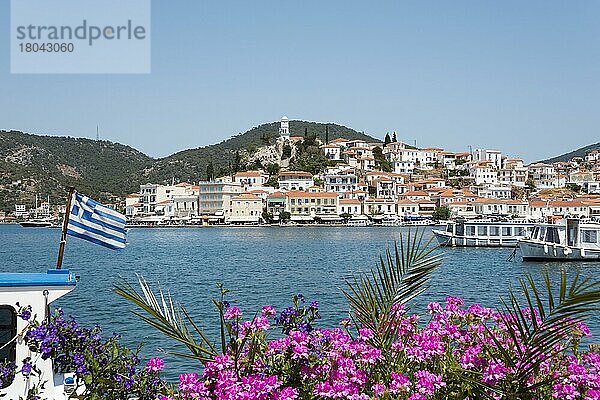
(47, 165)
(190, 165)
(575, 153)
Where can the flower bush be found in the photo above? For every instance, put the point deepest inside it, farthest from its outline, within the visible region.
(104, 368)
(383, 351)
(450, 352)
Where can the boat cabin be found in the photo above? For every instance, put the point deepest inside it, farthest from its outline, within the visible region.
(37, 290)
(477, 233)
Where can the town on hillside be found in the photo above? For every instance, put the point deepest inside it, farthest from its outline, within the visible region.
(365, 183)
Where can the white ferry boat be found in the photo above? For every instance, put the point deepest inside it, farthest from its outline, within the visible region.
(567, 239)
(479, 233)
(37, 290)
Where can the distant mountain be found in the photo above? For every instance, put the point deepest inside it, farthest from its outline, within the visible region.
(575, 153)
(47, 165)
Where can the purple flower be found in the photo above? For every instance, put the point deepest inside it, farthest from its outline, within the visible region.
(27, 366)
(232, 313)
(155, 364)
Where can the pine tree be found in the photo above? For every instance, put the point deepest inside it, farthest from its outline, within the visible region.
(326, 133)
(394, 137)
(305, 132)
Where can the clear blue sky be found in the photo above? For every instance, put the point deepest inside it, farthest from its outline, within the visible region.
(521, 77)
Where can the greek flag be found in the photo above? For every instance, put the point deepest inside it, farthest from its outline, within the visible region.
(92, 221)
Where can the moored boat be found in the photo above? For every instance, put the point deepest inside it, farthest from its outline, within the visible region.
(566, 239)
(37, 223)
(37, 290)
(477, 233)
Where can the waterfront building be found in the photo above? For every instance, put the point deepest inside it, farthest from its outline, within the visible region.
(21, 210)
(245, 208)
(350, 206)
(215, 199)
(133, 205)
(152, 194)
(186, 206)
(426, 207)
(462, 209)
(295, 180)
(306, 206)
(540, 208)
(276, 203)
(374, 206)
(406, 208)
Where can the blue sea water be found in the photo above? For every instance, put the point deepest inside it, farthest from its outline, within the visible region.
(260, 265)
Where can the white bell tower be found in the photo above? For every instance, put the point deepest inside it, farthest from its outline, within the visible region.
(284, 129)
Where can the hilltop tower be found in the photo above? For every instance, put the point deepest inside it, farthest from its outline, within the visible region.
(284, 128)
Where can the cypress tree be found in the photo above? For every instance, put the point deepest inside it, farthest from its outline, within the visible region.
(210, 171)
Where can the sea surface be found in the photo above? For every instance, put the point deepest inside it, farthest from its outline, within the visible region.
(259, 265)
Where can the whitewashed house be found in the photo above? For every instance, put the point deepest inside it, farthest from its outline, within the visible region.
(245, 208)
(295, 180)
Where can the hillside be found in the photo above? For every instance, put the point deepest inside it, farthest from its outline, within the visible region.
(575, 153)
(47, 165)
(189, 165)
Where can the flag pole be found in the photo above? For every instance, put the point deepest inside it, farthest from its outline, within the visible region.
(63, 236)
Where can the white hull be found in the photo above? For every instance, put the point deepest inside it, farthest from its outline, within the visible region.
(538, 251)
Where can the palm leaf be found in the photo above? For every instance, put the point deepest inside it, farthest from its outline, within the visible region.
(559, 311)
(395, 280)
(169, 318)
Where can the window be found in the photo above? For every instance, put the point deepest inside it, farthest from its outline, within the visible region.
(482, 231)
(552, 235)
(8, 330)
(506, 231)
(494, 231)
(589, 236)
(470, 231)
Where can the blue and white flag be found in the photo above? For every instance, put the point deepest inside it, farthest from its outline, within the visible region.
(90, 220)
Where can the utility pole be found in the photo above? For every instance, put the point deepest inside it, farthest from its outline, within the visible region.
(97, 132)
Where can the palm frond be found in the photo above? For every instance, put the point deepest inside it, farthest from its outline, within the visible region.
(168, 317)
(559, 311)
(395, 280)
